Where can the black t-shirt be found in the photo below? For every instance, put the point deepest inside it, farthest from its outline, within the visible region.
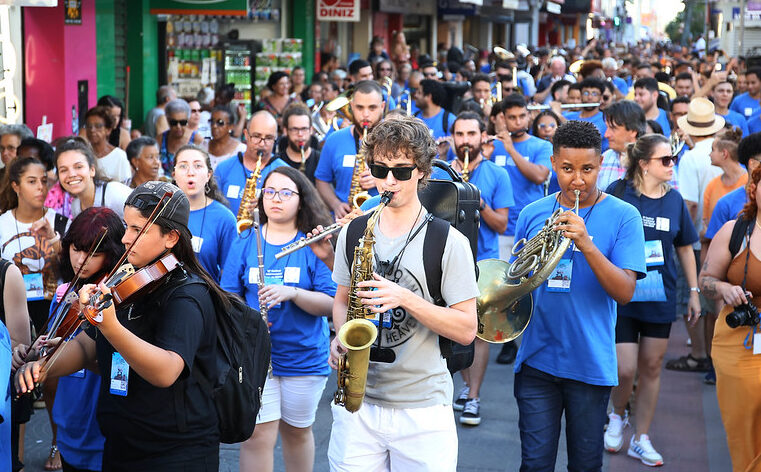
(151, 425)
(312, 160)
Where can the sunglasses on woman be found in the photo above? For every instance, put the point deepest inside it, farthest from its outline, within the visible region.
(173, 123)
(400, 173)
(665, 160)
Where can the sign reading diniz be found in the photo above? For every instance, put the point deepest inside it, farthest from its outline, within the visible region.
(338, 10)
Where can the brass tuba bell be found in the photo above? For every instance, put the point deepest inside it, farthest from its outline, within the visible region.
(342, 105)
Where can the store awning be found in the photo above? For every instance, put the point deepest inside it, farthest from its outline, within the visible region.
(194, 7)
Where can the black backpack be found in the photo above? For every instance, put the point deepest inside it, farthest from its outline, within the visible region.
(741, 228)
(242, 362)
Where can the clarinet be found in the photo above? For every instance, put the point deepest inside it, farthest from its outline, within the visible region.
(260, 257)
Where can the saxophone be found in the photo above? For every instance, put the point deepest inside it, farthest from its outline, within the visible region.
(263, 310)
(357, 196)
(303, 165)
(465, 164)
(358, 333)
(250, 194)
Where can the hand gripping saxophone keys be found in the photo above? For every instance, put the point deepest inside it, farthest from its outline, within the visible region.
(504, 308)
(250, 195)
(358, 333)
(357, 196)
(263, 310)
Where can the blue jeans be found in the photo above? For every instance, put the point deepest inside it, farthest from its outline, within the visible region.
(542, 400)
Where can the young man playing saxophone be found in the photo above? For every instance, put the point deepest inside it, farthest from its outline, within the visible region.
(405, 421)
(566, 363)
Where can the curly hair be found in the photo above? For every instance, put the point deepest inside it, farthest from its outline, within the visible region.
(751, 207)
(576, 134)
(312, 211)
(404, 136)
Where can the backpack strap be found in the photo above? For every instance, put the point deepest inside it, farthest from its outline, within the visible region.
(445, 122)
(4, 264)
(59, 224)
(353, 232)
(619, 189)
(742, 226)
(433, 253)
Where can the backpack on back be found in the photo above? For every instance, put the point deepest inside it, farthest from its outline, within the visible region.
(242, 358)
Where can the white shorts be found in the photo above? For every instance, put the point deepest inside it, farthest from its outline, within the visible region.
(292, 399)
(377, 438)
(506, 247)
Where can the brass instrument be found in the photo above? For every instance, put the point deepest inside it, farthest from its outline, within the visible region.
(465, 164)
(342, 105)
(303, 165)
(263, 310)
(502, 53)
(387, 84)
(676, 143)
(358, 333)
(250, 195)
(405, 102)
(575, 67)
(563, 105)
(357, 196)
(504, 308)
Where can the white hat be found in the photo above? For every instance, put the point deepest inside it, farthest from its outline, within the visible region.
(701, 119)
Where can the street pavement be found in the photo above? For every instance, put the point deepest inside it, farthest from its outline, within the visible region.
(687, 428)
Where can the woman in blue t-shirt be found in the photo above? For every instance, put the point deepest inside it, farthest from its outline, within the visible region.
(211, 222)
(643, 326)
(298, 292)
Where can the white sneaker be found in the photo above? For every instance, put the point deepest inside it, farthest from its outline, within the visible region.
(614, 435)
(462, 398)
(644, 451)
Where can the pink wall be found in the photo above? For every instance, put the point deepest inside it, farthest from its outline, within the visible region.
(56, 57)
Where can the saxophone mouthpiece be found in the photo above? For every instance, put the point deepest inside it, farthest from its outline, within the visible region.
(259, 153)
(365, 124)
(386, 197)
(301, 145)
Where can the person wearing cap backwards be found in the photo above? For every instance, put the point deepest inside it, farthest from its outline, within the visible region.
(148, 347)
(701, 124)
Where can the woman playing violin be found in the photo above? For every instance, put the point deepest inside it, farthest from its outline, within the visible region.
(152, 412)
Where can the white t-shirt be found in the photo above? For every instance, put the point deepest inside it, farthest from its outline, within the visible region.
(115, 165)
(116, 195)
(695, 171)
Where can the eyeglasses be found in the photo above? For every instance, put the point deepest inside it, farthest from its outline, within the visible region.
(197, 167)
(385, 69)
(284, 194)
(92, 126)
(592, 94)
(509, 90)
(547, 125)
(219, 123)
(431, 75)
(298, 130)
(8, 148)
(266, 139)
(195, 110)
(173, 123)
(400, 173)
(666, 160)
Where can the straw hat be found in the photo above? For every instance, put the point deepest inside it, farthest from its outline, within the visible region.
(700, 120)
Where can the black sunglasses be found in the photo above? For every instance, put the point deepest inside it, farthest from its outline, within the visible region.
(219, 122)
(400, 173)
(665, 160)
(173, 123)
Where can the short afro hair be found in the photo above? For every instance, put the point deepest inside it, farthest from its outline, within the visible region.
(576, 134)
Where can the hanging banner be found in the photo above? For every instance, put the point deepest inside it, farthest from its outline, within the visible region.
(338, 10)
(199, 7)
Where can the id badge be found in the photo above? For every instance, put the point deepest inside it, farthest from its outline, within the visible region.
(119, 375)
(80, 374)
(233, 191)
(500, 160)
(273, 280)
(560, 278)
(757, 344)
(292, 275)
(654, 253)
(348, 160)
(35, 288)
(196, 242)
(650, 289)
(375, 317)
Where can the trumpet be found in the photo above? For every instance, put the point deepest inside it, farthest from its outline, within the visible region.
(564, 106)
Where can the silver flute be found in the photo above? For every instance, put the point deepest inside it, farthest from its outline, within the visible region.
(564, 105)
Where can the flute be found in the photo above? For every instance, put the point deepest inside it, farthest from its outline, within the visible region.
(564, 105)
(304, 242)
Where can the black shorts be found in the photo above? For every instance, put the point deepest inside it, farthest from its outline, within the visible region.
(629, 330)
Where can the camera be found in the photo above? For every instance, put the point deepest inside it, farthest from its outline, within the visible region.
(743, 315)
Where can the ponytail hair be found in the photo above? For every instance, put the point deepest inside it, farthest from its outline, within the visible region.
(728, 140)
(641, 151)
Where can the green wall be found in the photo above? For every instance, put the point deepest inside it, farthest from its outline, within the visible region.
(105, 39)
(301, 25)
(142, 58)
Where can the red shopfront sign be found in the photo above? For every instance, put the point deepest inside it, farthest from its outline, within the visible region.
(338, 10)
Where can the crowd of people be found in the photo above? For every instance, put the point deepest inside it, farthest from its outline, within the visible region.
(650, 152)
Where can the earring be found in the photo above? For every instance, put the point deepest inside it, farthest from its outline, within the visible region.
(206, 188)
(645, 171)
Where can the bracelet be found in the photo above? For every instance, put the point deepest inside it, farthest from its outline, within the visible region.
(55, 238)
(695, 289)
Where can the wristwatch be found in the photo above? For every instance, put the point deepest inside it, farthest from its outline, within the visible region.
(695, 289)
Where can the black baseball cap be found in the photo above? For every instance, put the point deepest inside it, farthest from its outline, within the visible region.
(176, 209)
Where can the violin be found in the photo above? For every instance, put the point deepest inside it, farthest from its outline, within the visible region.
(125, 283)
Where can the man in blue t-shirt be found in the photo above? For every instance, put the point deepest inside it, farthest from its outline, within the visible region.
(527, 161)
(338, 159)
(646, 95)
(232, 174)
(748, 104)
(722, 92)
(430, 98)
(469, 131)
(566, 363)
(591, 92)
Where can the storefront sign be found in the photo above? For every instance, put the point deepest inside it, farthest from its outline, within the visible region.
(408, 7)
(200, 7)
(73, 12)
(510, 4)
(454, 7)
(338, 10)
(553, 7)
